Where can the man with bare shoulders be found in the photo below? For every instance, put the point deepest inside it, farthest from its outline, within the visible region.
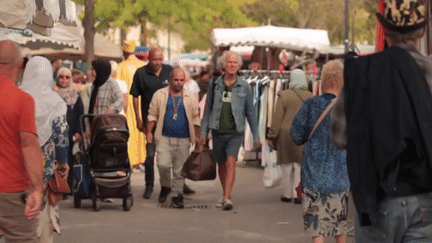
(21, 165)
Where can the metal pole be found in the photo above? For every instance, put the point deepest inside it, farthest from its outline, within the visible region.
(347, 25)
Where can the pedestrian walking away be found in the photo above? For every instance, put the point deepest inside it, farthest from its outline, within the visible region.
(384, 122)
(21, 165)
(227, 107)
(289, 155)
(324, 173)
(174, 118)
(53, 133)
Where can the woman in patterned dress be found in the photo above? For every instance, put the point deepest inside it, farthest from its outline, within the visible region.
(52, 130)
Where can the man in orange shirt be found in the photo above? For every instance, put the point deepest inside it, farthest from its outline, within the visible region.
(21, 164)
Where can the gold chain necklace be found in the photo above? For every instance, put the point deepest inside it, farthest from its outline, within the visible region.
(176, 106)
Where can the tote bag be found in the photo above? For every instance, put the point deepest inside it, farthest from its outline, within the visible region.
(200, 166)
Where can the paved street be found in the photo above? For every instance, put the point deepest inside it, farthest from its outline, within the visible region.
(258, 216)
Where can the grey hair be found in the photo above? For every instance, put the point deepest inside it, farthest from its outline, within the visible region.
(172, 73)
(224, 55)
(63, 69)
(397, 37)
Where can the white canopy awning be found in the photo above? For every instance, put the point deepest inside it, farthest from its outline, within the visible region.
(104, 48)
(58, 40)
(37, 15)
(272, 36)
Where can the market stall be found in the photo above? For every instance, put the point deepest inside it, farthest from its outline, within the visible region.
(269, 40)
(36, 15)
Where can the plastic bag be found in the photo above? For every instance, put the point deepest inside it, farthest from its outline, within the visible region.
(272, 172)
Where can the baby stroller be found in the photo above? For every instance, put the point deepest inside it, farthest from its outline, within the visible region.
(104, 167)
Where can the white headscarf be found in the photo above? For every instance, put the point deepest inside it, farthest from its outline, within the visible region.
(37, 82)
(68, 94)
(298, 80)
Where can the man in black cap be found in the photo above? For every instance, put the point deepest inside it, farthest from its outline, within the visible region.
(387, 105)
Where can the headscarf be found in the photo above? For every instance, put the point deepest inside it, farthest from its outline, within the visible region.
(37, 82)
(103, 72)
(68, 94)
(298, 80)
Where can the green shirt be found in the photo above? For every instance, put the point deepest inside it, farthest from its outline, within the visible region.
(227, 125)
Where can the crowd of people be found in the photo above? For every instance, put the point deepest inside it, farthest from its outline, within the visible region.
(365, 132)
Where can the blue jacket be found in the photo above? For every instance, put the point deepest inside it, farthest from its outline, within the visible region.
(242, 107)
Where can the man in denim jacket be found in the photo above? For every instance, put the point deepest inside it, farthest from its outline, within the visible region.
(229, 102)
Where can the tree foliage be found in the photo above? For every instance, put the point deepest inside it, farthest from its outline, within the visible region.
(193, 19)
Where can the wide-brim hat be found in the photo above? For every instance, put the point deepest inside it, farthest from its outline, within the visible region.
(404, 15)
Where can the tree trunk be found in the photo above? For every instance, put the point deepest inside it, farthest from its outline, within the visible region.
(123, 34)
(143, 36)
(89, 31)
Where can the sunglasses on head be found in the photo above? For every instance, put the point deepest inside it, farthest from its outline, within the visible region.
(226, 92)
(61, 76)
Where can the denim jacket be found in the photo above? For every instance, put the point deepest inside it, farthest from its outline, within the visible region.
(242, 107)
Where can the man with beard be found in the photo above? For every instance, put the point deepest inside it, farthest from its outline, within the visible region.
(174, 113)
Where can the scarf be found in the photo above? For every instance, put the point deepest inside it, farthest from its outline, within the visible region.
(37, 82)
(103, 71)
(68, 94)
(298, 80)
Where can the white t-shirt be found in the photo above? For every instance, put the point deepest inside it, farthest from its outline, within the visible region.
(124, 89)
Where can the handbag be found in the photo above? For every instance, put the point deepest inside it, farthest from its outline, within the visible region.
(272, 175)
(58, 185)
(200, 166)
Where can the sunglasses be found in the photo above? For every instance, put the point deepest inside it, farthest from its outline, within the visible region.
(61, 76)
(226, 92)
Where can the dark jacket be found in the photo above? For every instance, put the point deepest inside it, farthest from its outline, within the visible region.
(388, 108)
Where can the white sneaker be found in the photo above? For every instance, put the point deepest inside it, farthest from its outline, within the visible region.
(220, 203)
(227, 205)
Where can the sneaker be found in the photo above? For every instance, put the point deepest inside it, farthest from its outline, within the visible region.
(164, 194)
(227, 205)
(187, 190)
(148, 192)
(177, 202)
(220, 203)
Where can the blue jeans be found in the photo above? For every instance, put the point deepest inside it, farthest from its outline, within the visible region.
(149, 165)
(402, 219)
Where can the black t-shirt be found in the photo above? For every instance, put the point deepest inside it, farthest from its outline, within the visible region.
(145, 84)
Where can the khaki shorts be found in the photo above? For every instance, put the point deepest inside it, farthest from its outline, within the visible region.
(14, 224)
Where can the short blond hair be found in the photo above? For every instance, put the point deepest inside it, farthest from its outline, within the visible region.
(332, 75)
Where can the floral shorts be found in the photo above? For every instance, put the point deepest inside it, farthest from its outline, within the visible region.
(325, 214)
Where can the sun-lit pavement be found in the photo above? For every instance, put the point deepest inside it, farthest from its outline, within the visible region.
(258, 216)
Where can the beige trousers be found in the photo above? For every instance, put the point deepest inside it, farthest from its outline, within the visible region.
(171, 155)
